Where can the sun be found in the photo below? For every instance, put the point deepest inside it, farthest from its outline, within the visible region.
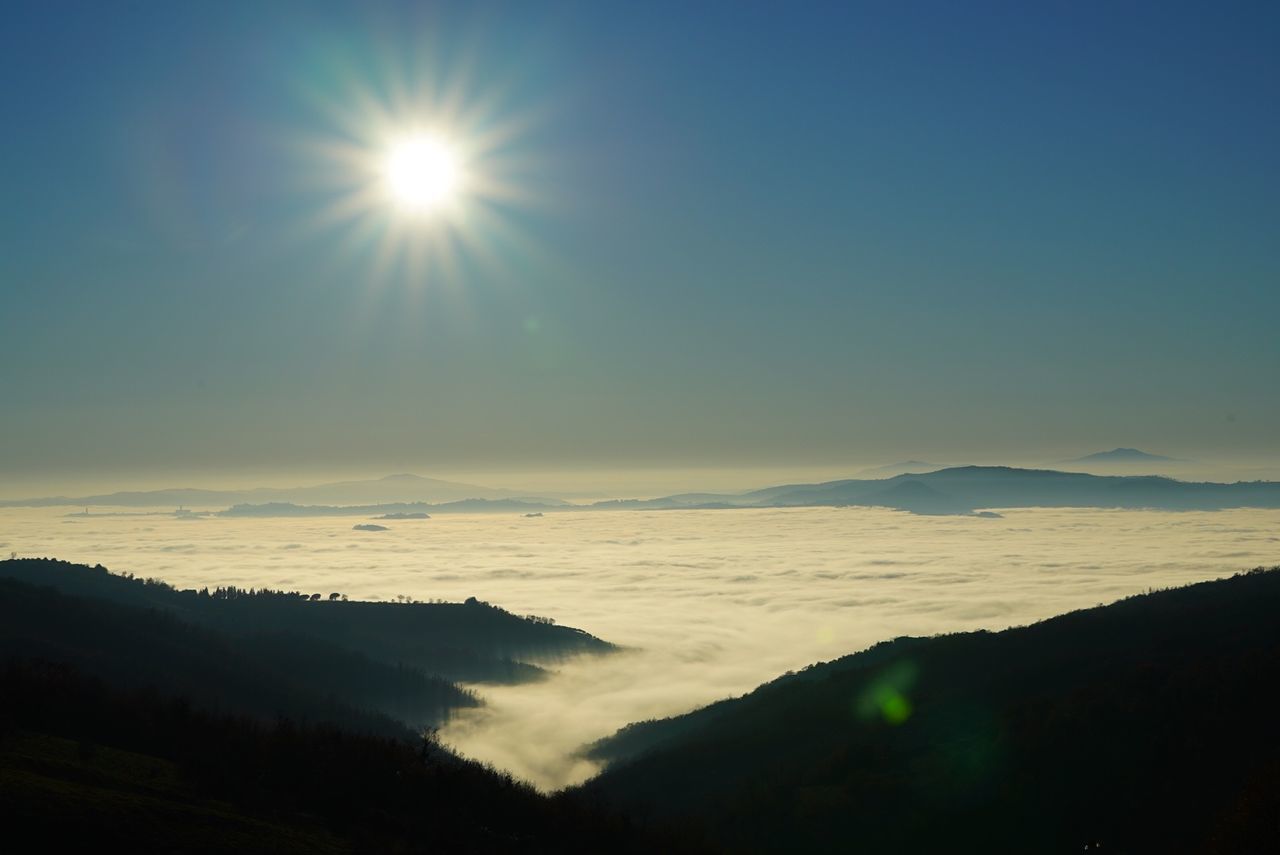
(418, 169)
(423, 173)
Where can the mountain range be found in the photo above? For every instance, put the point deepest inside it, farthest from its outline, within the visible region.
(391, 489)
(958, 490)
(964, 489)
(920, 489)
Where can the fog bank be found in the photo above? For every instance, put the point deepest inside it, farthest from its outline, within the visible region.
(712, 602)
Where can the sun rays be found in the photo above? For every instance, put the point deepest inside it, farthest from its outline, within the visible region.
(421, 167)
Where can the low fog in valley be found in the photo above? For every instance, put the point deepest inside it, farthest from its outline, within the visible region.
(709, 603)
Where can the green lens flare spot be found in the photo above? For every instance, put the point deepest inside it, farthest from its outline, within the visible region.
(895, 708)
(885, 698)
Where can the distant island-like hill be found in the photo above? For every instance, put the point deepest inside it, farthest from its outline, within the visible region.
(966, 488)
(1122, 455)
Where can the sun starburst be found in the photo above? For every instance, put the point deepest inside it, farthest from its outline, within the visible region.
(419, 170)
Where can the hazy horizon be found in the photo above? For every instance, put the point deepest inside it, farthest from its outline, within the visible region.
(600, 482)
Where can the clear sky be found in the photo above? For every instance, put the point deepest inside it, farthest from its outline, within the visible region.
(701, 233)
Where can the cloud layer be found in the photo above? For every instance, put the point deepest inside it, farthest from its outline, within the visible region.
(711, 602)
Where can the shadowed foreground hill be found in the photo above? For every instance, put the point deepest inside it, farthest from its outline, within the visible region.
(472, 641)
(1147, 725)
(88, 767)
(127, 724)
(264, 676)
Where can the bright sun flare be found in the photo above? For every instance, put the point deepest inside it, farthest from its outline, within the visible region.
(422, 173)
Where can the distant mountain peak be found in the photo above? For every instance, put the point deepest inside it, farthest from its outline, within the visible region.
(909, 494)
(1121, 455)
(905, 467)
(913, 466)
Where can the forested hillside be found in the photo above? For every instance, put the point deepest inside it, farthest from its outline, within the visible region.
(1147, 725)
(85, 766)
(472, 641)
(139, 717)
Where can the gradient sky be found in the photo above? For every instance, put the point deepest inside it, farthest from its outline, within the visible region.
(763, 234)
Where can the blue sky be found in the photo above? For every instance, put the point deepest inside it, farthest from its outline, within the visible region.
(746, 234)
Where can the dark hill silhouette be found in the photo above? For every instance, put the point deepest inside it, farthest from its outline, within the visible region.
(472, 641)
(88, 767)
(264, 676)
(128, 721)
(1147, 725)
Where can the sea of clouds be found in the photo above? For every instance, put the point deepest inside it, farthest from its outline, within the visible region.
(708, 603)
